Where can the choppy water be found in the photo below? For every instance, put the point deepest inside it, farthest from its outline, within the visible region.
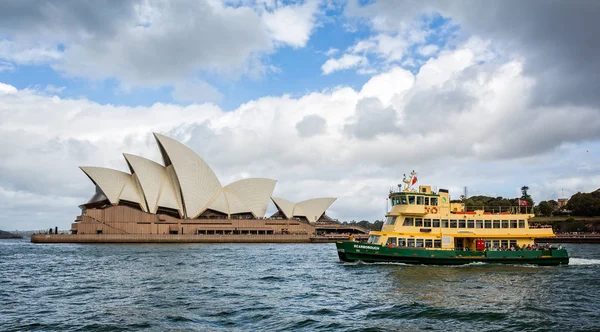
(69, 287)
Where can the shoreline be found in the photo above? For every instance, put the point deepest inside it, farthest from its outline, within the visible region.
(176, 238)
(579, 238)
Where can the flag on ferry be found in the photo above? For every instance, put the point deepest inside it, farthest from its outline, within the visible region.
(414, 180)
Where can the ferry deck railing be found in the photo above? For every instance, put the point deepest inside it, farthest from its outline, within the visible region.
(500, 209)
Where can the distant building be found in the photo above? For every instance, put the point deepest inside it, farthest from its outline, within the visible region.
(562, 202)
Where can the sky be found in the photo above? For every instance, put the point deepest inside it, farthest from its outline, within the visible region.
(330, 98)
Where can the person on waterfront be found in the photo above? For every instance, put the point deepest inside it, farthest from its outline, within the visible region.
(351, 238)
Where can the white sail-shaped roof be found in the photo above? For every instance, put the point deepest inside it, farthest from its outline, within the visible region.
(197, 182)
(151, 176)
(110, 181)
(131, 193)
(235, 204)
(314, 208)
(286, 207)
(169, 196)
(220, 203)
(254, 193)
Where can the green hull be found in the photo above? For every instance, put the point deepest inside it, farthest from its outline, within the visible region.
(371, 253)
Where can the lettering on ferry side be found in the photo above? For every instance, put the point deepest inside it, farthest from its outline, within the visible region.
(360, 246)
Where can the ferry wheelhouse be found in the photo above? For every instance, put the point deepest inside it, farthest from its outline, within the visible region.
(424, 227)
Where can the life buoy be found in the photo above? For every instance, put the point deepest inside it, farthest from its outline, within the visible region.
(434, 210)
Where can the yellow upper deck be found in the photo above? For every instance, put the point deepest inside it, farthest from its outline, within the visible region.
(424, 212)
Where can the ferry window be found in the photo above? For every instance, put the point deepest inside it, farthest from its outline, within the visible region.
(513, 224)
(437, 243)
(411, 242)
(445, 223)
(434, 201)
(496, 243)
(513, 243)
(496, 223)
(403, 200)
(420, 200)
(488, 224)
(391, 241)
(429, 243)
(436, 223)
(426, 200)
(419, 243)
(373, 239)
(408, 222)
(487, 243)
(391, 220)
(427, 223)
(452, 223)
(479, 223)
(504, 223)
(401, 242)
(411, 200)
(521, 223)
(462, 223)
(470, 223)
(504, 243)
(395, 201)
(418, 222)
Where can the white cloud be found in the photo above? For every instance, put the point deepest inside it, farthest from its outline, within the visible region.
(7, 89)
(54, 89)
(292, 24)
(25, 52)
(6, 66)
(331, 52)
(196, 91)
(388, 45)
(457, 122)
(153, 43)
(345, 62)
(428, 50)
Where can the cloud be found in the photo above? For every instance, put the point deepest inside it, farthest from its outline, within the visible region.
(332, 52)
(555, 39)
(428, 50)
(458, 121)
(152, 43)
(196, 91)
(7, 89)
(372, 119)
(292, 24)
(345, 62)
(311, 125)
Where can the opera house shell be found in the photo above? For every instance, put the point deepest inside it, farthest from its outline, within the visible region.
(184, 196)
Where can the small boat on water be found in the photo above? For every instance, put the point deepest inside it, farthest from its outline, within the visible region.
(424, 227)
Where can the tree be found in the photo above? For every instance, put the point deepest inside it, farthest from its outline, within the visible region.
(585, 204)
(545, 209)
(525, 195)
(524, 192)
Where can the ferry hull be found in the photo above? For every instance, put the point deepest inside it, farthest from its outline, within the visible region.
(371, 253)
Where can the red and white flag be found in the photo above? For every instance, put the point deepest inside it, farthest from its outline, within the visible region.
(414, 180)
(523, 203)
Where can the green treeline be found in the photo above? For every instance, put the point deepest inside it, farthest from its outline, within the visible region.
(579, 205)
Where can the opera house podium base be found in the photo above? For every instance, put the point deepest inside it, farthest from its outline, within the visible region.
(170, 238)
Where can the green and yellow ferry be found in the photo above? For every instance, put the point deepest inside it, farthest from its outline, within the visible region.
(424, 227)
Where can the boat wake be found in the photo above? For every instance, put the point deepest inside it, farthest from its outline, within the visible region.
(584, 261)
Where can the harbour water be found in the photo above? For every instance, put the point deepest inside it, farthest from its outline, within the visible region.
(248, 287)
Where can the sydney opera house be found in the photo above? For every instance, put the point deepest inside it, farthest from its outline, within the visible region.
(183, 196)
